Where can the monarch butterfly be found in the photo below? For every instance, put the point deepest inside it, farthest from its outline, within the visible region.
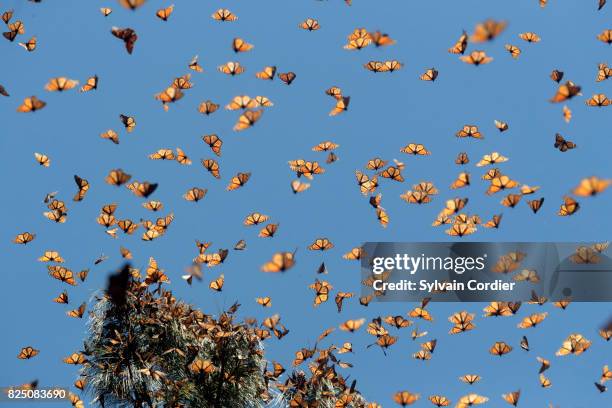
(470, 378)
(62, 298)
(535, 205)
(415, 149)
(281, 261)
(380, 40)
(461, 229)
(182, 82)
(598, 100)
(601, 246)
(340, 296)
(24, 238)
(575, 344)
(569, 207)
(62, 274)
(239, 45)
(585, 255)
(514, 51)
(334, 92)
(286, 77)
(321, 244)
(30, 45)
(231, 68)
(169, 95)
(267, 73)
(494, 222)
(501, 183)
(463, 180)
(530, 37)
(132, 4)
(106, 11)
(392, 65)
(3, 91)
(128, 36)
(200, 366)
(194, 65)
(492, 158)
(563, 303)
(556, 75)
(430, 75)
(526, 189)
(354, 254)
(110, 135)
(27, 353)
(405, 398)
(325, 146)
(416, 197)
(501, 126)
(439, 400)
(162, 154)
(195, 194)
(309, 24)
(128, 122)
(164, 13)
(471, 399)
(125, 253)
(352, 325)
(238, 181)
(78, 312)
(393, 173)
(469, 131)
(207, 107)
(6, 16)
(247, 119)
(90, 84)
(497, 309)
(297, 186)
(358, 39)
(264, 301)
(476, 58)
(487, 30)
(309, 169)
(500, 348)
(566, 91)
(51, 256)
(127, 226)
(321, 289)
(562, 144)
(240, 102)
(461, 44)
(603, 72)
(375, 66)
(605, 36)
(426, 187)
(382, 216)
(31, 104)
(462, 158)
(268, 231)
(42, 159)
(144, 189)
(224, 15)
(153, 205)
(462, 322)
(601, 4)
(75, 359)
(212, 166)
(397, 321)
(83, 186)
(181, 157)
(532, 320)
(217, 284)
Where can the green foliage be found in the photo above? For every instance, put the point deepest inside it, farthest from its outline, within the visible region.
(141, 354)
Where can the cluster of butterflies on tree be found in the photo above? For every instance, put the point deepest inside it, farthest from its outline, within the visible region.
(250, 111)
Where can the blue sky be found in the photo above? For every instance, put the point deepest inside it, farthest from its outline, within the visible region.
(387, 111)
